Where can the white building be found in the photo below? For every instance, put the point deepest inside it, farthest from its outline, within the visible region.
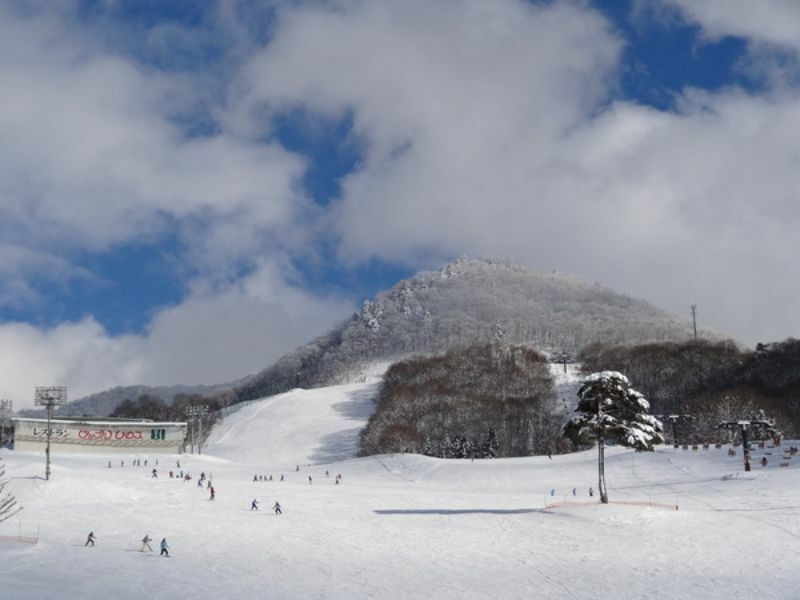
(85, 435)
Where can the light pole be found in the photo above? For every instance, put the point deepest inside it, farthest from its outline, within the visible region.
(195, 413)
(50, 397)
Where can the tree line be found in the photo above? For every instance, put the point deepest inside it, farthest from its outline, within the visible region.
(709, 381)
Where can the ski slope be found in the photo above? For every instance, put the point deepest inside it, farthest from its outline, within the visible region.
(299, 427)
(399, 526)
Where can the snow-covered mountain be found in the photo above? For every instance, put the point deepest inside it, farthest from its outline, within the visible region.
(470, 301)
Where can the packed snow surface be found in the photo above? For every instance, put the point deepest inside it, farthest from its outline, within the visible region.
(398, 526)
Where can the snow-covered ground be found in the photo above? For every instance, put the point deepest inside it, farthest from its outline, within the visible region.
(398, 526)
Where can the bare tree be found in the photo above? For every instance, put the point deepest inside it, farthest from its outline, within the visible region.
(8, 504)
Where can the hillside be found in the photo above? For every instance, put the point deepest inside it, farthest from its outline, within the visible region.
(469, 301)
(103, 403)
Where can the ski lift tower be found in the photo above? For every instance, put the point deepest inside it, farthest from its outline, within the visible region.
(50, 397)
(676, 419)
(195, 413)
(745, 426)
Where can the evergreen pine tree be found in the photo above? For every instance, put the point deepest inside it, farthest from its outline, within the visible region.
(612, 410)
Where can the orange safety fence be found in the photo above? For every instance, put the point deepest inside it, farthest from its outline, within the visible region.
(647, 503)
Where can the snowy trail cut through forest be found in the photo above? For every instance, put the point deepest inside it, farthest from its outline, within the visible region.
(299, 427)
(397, 526)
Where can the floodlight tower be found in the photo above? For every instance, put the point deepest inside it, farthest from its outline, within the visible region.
(196, 413)
(50, 397)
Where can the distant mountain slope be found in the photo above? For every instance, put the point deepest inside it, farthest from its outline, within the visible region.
(103, 403)
(469, 301)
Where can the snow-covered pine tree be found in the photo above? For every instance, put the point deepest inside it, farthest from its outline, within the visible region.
(489, 449)
(612, 411)
(427, 447)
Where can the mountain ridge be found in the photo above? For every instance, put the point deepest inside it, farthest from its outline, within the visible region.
(466, 301)
(470, 301)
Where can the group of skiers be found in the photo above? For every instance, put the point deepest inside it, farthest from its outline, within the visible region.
(90, 539)
(265, 477)
(337, 478)
(137, 462)
(163, 545)
(574, 491)
(276, 508)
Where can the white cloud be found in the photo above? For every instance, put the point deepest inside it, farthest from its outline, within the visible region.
(91, 156)
(214, 336)
(487, 133)
(765, 21)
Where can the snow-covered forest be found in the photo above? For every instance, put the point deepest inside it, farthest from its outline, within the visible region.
(710, 381)
(472, 402)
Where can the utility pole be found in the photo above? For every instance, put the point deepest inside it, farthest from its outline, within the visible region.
(50, 397)
(694, 320)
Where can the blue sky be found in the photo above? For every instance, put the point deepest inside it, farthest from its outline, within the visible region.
(183, 178)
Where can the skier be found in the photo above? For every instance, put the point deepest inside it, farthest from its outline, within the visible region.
(146, 543)
(254, 504)
(281, 476)
(200, 483)
(277, 508)
(171, 475)
(155, 474)
(90, 539)
(574, 491)
(764, 462)
(164, 548)
(212, 492)
(297, 469)
(327, 474)
(177, 464)
(591, 492)
(309, 480)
